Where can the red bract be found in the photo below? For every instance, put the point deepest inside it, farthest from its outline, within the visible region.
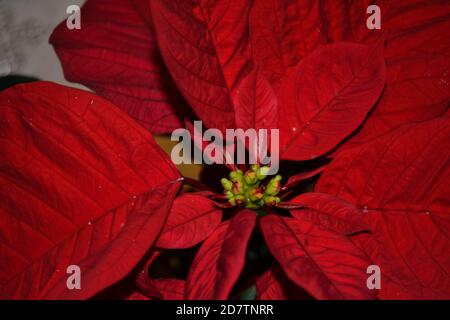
(205, 45)
(191, 220)
(220, 259)
(369, 108)
(325, 91)
(77, 188)
(115, 54)
(329, 212)
(282, 33)
(401, 184)
(327, 96)
(256, 103)
(324, 263)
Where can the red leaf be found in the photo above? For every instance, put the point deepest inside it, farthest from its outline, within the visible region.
(283, 32)
(327, 96)
(115, 54)
(269, 286)
(329, 212)
(221, 258)
(300, 177)
(324, 263)
(345, 20)
(401, 182)
(137, 296)
(170, 289)
(417, 59)
(162, 288)
(77, 187)
(191, 220)
(205, 46)
(256, 103)
(418, 77)
(274, 285)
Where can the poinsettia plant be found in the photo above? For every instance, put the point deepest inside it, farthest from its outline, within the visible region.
(364, 148)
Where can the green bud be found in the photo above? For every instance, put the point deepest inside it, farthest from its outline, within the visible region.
(236, 176)
(226, 184)
(261, 202)
(239, 198)
(238, 187)
(271, 200)
(250, 177)
(249, 190)
(251, 205)
(262, 172)
(256, 194)
(274, 186)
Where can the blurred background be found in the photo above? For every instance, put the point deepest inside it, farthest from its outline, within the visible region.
(25, 26)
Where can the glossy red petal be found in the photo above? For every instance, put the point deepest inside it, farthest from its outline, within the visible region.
(329, 212)
(81, 184)
(220, 259)
(116, 55)
(327, 97)
(324, 263)
(191, 219)
(401, 183)
(206, 48)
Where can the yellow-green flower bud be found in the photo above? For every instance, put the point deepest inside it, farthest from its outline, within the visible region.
(271, 200)
(239, 198)
(251, 205)
(226, 184)
(255, 194)
(236, 175)
(250, 177)
(262, 172)
(274, 186)
(238, 187)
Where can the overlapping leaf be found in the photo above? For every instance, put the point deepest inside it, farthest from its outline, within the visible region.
(324, 263)
(300, 177)
(256, 103)
(329, 212)
(206, 48)
(81, 184)
(171, 289)
(274, 285)
(327, 96)
(283, 32)
(115, 54)
(220, 260)
(401, 183)
(269, 286)
(417, 53)
(162, 288)
(192, 219)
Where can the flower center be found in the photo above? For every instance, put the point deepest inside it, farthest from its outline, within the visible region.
(252, 189)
